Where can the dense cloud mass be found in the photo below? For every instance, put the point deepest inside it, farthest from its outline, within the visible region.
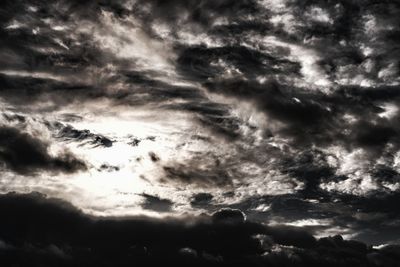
(26, 154)
(231, 120)
(38, 231)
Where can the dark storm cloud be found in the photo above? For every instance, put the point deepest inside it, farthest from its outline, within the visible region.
(61, 131)
(37, 231)
(356, 43)
(139, 90)
(22, 90)
(229, 216)
(251, 63)
(37, 46)
(345, 16)
(26, 154)
(232, 31)
(310, 166)
(373, 218)
(193, 174)
(67, 132)
(316, 118)
(156, 203)
(201, 199)
(158, 91)
(197, 11)
(40, 62)
(354, 25)
(305, 122)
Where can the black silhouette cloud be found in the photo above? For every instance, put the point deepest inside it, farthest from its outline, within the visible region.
(37, 231)
(26, 154)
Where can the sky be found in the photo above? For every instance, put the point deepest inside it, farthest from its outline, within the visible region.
(211, 133)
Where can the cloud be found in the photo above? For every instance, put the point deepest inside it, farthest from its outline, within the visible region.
(55, 232)
(67, 132)
(26, 154)
(201, 177)
(229, 216)
(156, 203)
(285, 109)
(200, 199)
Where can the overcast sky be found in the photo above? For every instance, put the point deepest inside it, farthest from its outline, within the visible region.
(277, 118)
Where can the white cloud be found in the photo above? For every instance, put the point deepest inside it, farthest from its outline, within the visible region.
(319, 14)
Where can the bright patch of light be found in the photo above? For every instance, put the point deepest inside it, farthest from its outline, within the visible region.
(391, 110)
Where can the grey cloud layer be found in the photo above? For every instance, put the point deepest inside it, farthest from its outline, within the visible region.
(37, 230)
(322, 81)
